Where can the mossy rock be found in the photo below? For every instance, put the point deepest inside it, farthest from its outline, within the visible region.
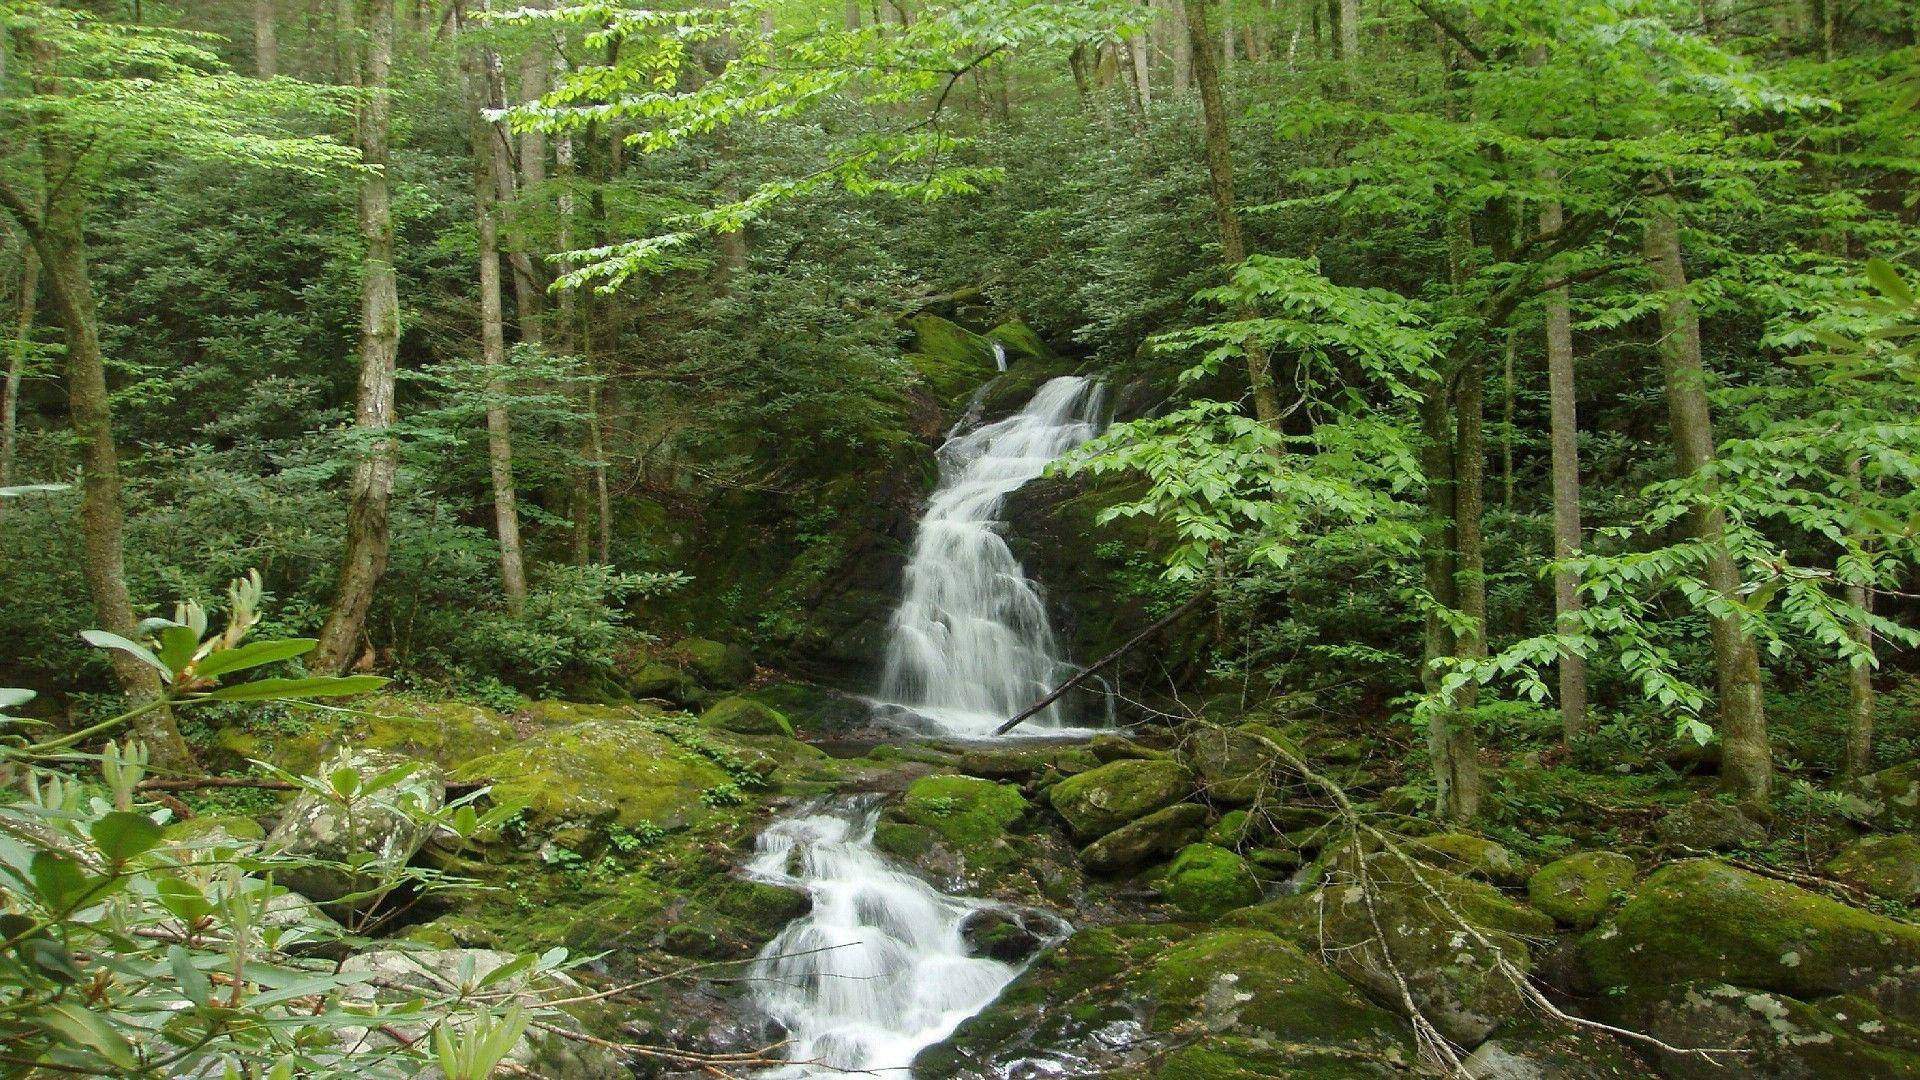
(1580, 888)
(969, 814)
(1249, 981)
(1018, 339)
(612, 769)
(1229, 1057)
(814, 708)
(1207, 881)
(1472, 856)
(950, 341)
(1234, 764)
(1890, 798)
(1101, 800)
(445, 733)
(1024, 763)
(1779, 1038)
(1110, 747)
(1539, 1049)
(217, 830)
(1295, 918)
(1157, 836)
(760, 904)
(1232, 830)
(1709, 825)
(658, 679)
(718, 666)
(1703, 920)
(549, 713)
(383, 821)
(1886, 866)
(746, 716)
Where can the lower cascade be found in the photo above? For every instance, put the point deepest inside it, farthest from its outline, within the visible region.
(970, 644)
(879, 969)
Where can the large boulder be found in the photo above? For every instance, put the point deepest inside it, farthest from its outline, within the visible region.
(1138, 843)
(718, 665)
(1580, 888)
(1709, 825)
(969, 814)
(1207, 881)
(745, 716)
(400, 974)
(1705, 921)
(1098, 801)
(1234, 764)
(615, 769)
(1161, 1000)
(1540, 1049)
(1771, 1036)
(1890, 798)
(375, 806)
(1472, 856)
(1886, 866)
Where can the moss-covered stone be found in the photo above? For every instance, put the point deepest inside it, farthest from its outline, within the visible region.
(969, 815)
(1231, 831)
(1709, 825)
(612, 769)
(1473, 856)
(1101, 800)
(719, 666)
(1018, 339)
(1023, 763)
(1137, 843)
(1119, 748)
(1235, 765)
(1580, 888)
(1705, 920)
(1538, 1049)
(1228, 1057)
(1886, 866)
(1207, 881)
(760, 904)
(747, 717)
(658, 679)
(1778, 1037)
(1253, 982)
(1890, 798)
(1296, 918)
(908, 843)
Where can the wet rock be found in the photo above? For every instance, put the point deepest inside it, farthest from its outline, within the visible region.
(1530, 1049)
(381, 797)
(1890, 798)
(1024, 763)
(998, 935)
(746, 716)
(1101, 800)
(969, 814)
(1704, 921)
(1775, 1036)
(1207, 881)
(1157, 836)
(1886, 866)
(1580, 888)
(1709, 825)
(718, 666)
(1472, 856)
(1108, 748)
(1235, 765)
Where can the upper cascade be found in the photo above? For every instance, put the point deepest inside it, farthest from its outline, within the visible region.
(970, 644)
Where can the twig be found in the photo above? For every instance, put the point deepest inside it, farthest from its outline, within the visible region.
(1162, 623)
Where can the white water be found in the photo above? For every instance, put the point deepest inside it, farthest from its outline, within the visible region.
(970, 644)
(1000, 356)
(878, 970)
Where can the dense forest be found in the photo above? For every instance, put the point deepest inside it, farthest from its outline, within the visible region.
(1191, 539)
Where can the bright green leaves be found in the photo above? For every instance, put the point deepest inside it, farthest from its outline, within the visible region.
(123, 834)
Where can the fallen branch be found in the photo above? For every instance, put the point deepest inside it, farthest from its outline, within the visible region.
(1086, 673)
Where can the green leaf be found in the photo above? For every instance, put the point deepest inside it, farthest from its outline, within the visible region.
(100, 639)
(194, 984)
(177, 645)
(80, 1026)
(1887, 279)
(58, 879)
(124, 834)
(183, 899)
(52, 958)
(13, 696)
(298, 689)
(252, 654)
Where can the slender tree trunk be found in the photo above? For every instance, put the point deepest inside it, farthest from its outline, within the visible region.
(1506, 423)
(853, 14)
(1563, 425)
(1180, 42)
(1860, 695)
(266, 39)
(1470, 571)
(1142, 72)
(1349, 40)
(1233, 247)
(29, 299)
(371, 490)
(1747, 762)
(1450, 745)
(489, 159)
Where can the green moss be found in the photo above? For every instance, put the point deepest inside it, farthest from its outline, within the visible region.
(619, 770)
(759, 904)
(1578, 889)
(908, 843)
(1886, 866)
(1230, 831)
(717, 665)
(1474, 856)
(1018, 339)
(1156, 836)
(1101, 800)
(1235, 764)
(1705, 920)
(1225, 1057)
(970, 814)
(946, 340)
(1254, 982)
(747, 717)
(1207, 881)
(1294, 918)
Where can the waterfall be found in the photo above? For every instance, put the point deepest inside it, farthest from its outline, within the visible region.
(1000, 356)
(879, 968)
(970, 644)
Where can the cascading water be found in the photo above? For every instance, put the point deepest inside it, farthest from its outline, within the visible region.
(879, 968)
(1000, 356)
(970, 644)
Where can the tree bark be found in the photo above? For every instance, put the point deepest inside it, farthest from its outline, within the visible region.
(1450, 743)
(1219, 149)
(266, 39)
(1180, 47)
(1860, 695)
(28, 300)
(1142, 71)
(1563, 426)
(371, 490)
(1349, 39)
(1747, 762)
(489, 161)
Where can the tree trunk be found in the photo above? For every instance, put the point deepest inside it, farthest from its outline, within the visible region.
(1450, 743)
(1350, 38)
(1860, 696)
(1142, 73)
(1563, 425)
(1233, 247)
(1747, 764)
(853, 14)
(266, 39)
(489, 159)
(1180, 47)
(17, 362)
(371, 490)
